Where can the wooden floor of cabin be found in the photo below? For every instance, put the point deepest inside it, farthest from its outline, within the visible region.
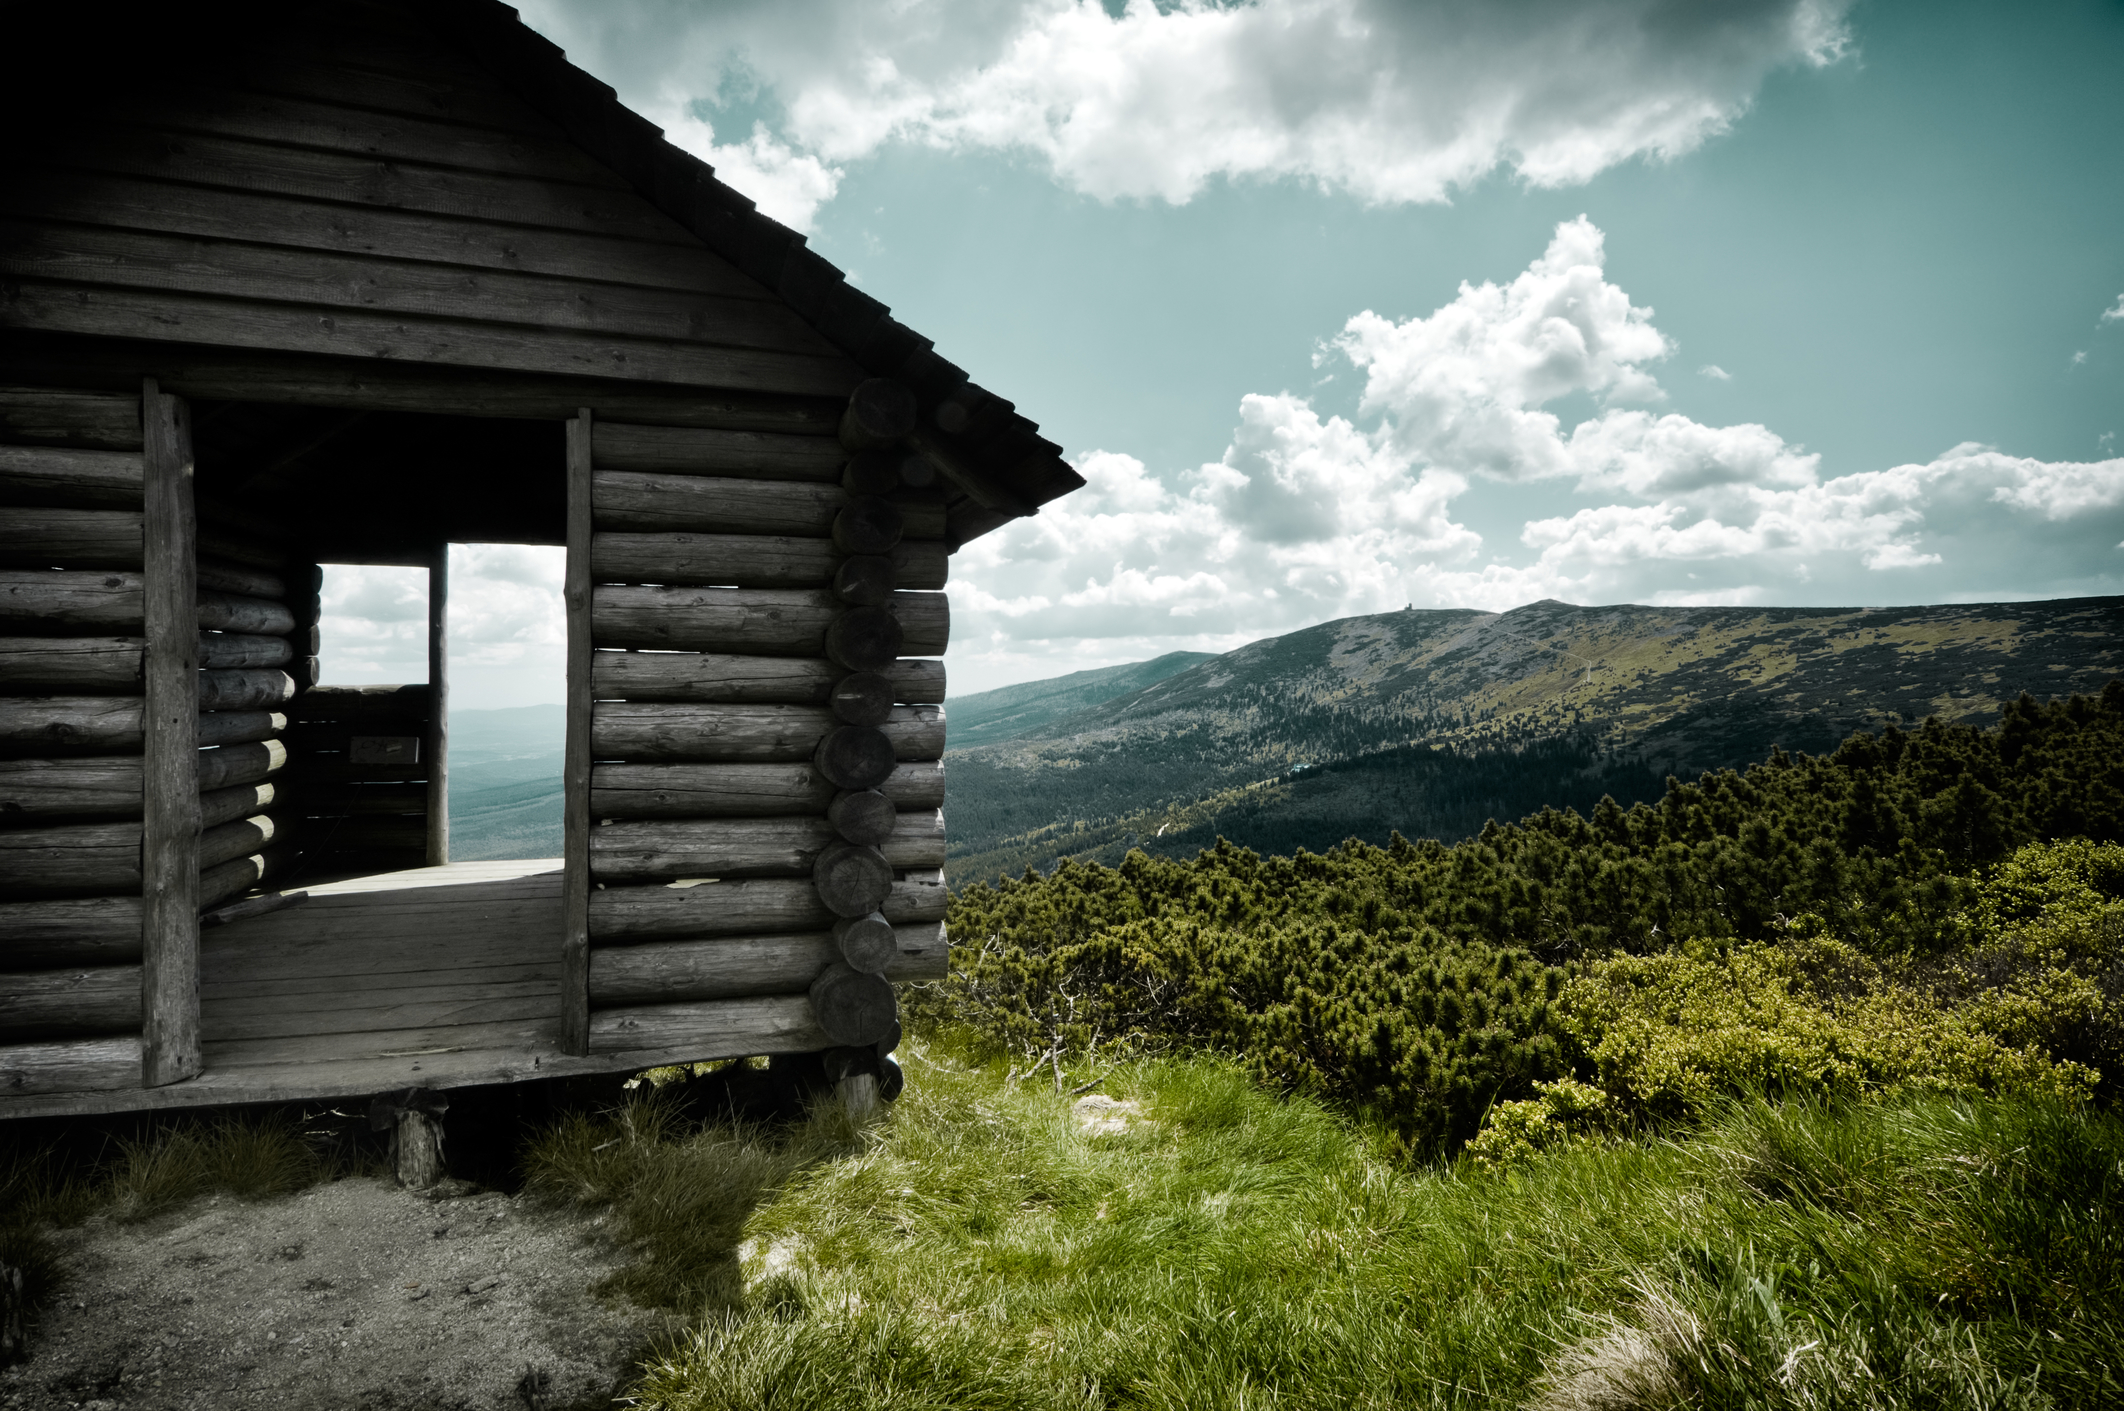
(434, 977)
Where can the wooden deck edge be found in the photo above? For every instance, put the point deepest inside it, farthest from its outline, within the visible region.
(237, 1086)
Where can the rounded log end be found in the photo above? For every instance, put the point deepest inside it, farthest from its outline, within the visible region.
(871, 473)
(867, 943)
(891, 1040)
(864, 698)
(864, 639)
(851, 880)
(863, 816)
(853, 1009)
(854, 757)
(891, 1080)
(867, 525)
(866, 581)
(881, 410)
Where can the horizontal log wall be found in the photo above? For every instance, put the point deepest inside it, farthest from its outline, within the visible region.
(718, 598)
(366, 189)
(71, 689)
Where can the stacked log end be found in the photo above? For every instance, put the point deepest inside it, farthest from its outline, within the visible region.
(767, 734)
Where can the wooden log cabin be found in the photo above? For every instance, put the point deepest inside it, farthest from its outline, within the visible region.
(348, 282)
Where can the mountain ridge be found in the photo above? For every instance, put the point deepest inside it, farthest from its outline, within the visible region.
(1617, 696)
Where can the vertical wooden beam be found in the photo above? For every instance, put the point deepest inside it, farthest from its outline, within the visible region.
(437, 745)
(575, 886)
(169, 860)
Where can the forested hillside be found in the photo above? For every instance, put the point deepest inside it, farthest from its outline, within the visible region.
(1431, 723)
(1858, 913)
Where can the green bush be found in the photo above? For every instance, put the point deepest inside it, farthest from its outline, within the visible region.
(1865, 919)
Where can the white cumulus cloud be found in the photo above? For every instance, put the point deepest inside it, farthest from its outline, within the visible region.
(2114, 314)
(1388, 101)
(1308, 517)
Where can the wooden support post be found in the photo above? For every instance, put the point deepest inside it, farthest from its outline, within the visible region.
(437, 744)
(169, 859)
(859, 1096)
(417, 1146)
(575, 823)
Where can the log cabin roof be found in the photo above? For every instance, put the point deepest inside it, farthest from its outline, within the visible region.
(997, 464)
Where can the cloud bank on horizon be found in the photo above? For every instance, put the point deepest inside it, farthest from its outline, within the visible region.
(1386, 101)
(1308, 517)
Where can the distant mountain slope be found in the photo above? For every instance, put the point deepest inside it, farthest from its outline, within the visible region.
(505, 782)
(988, 717)
(1433, 721)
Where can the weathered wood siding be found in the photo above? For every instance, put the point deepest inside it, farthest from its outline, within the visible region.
(710, 575)
(349, 183)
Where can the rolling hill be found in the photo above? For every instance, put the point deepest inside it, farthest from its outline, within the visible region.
(1432, 722)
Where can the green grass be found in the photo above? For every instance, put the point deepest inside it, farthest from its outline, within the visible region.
(1235, 1249)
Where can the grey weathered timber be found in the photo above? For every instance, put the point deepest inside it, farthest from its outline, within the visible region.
(219, 651)
(866, 638)
(113, 312)
(244, 690)
(656, 850)
(575, 817)
(881, 411)
(169, 860)
(233, 878)
(665, 502)
(749, 560)
(69, 788)
(73, 665)
(756, 621)
(733, 966)
(869, 524)
(866, 816)
(69, 538)
(36, 935)
(239, 727)
(69, 601)
(226, 577)
(363, 384)
(657, 269)
(631, 852)
(238, 764)
(638, 730)
(854, 756)
(60, 475)
(867, 943)
(233, 612)
(623, 915)
(435, 747)
(852, 880)
(862, 698)
(417, 1150)
(768, 1024)
(681, 731)
(851, 1007)
(743, 790)
(241, 838)
(669, 503)
(97, 421)
(205, 266)
(685, 450)
(70, 1066)
(49, 1004)
(866, 580)
(70, 859)
(232, 804)
(718, 677)
(44, 725)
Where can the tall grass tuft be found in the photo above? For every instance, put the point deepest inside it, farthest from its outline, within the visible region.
(1225, 1247)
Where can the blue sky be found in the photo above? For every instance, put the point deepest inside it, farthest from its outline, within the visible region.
(1343, 304)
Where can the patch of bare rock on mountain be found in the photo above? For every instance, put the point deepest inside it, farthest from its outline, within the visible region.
(356, 1295)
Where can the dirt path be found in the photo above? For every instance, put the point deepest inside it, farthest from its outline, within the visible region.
(354, 1294)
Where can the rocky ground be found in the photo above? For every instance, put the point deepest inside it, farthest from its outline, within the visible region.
(352, 1295)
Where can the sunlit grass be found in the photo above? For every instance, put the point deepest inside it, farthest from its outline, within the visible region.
(1229, 1248)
